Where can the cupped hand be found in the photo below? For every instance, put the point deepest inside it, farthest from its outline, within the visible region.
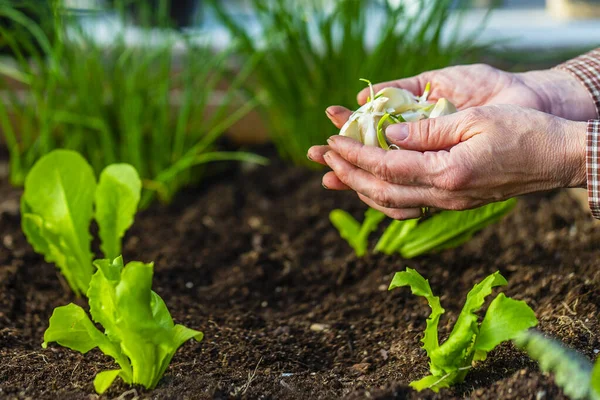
(461, 161)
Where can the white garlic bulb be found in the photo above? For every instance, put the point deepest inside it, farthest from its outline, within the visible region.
(391, 105)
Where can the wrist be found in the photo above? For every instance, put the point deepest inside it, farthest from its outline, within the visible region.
(575, 139)
(561, 94)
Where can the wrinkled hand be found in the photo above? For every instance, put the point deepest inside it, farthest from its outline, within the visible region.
(461, 161)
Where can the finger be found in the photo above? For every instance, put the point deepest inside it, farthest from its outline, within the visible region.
(435, 133)
(338, 115)
(395, 213)
(332, 182)
(315, 153)
(403, 167)
(415, 85)
(383, 193)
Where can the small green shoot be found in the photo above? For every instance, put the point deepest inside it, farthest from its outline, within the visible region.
(573, 372)
(381, 134)
(139, 333)
(469, 340)
(57, 208)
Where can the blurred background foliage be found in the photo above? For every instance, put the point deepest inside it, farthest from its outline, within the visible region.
(150, 104)
(315, 51)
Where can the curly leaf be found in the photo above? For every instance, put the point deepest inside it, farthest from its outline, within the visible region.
(504, 320)
(436, 383)
(420, 287)
(117, 199)
(57, 208)
(572, 371)
(71, 327)
(456, 352)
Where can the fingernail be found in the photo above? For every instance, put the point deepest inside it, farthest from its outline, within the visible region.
(322, 184)
(328, 113)
(397, 132)
(308, 156)
(329, 140)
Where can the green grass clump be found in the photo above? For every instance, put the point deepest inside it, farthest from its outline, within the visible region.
(315, 51)
(151, 104)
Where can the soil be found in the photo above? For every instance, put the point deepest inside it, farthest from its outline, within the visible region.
(288, 311)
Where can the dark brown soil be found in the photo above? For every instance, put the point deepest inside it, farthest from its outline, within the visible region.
(288, 311)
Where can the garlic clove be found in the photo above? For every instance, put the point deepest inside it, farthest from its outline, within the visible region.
(351, 130)
(399, 100)
(369, 125)
(442, 107)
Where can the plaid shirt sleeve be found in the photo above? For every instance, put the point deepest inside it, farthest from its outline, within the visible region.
(586, 68)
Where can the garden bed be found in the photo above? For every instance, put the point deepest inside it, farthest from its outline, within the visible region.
(288, 311)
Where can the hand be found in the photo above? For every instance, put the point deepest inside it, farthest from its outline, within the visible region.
(555, 92)
(461, 161)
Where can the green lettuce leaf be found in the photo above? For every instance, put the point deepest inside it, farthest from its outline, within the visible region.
(419, 286)
(572, 371)
(57, 208)
(71, 327)
(139, 332)
(352, 231)
(451, 228)
(456, 351)
(451, 361)
(596, 380)
(504, 320)
(395, 235)
(117, 198)
(105, 379)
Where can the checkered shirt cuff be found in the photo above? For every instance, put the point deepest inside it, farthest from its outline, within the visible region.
(586, 68)
(593, 166)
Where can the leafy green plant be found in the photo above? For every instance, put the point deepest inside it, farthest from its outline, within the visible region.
(314, 50)
(159, 104)
(354, 233)
(139, 333)
(469, 341)
(573, 372)
(57, 208)
(412, 238)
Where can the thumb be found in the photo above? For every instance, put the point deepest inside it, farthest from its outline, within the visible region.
(428, 134)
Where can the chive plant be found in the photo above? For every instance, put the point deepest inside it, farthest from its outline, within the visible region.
(151, 104)
(315, 50)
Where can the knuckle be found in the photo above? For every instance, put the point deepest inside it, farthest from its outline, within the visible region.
(353, 154)
(453, 179)
(382, 197)
(383, 171)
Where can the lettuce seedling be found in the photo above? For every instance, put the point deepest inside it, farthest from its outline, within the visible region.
(352, 231)
(469, 340)
(412, 238)
(57, 208)
(573, 372)
(447, 229)
(139, 333)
